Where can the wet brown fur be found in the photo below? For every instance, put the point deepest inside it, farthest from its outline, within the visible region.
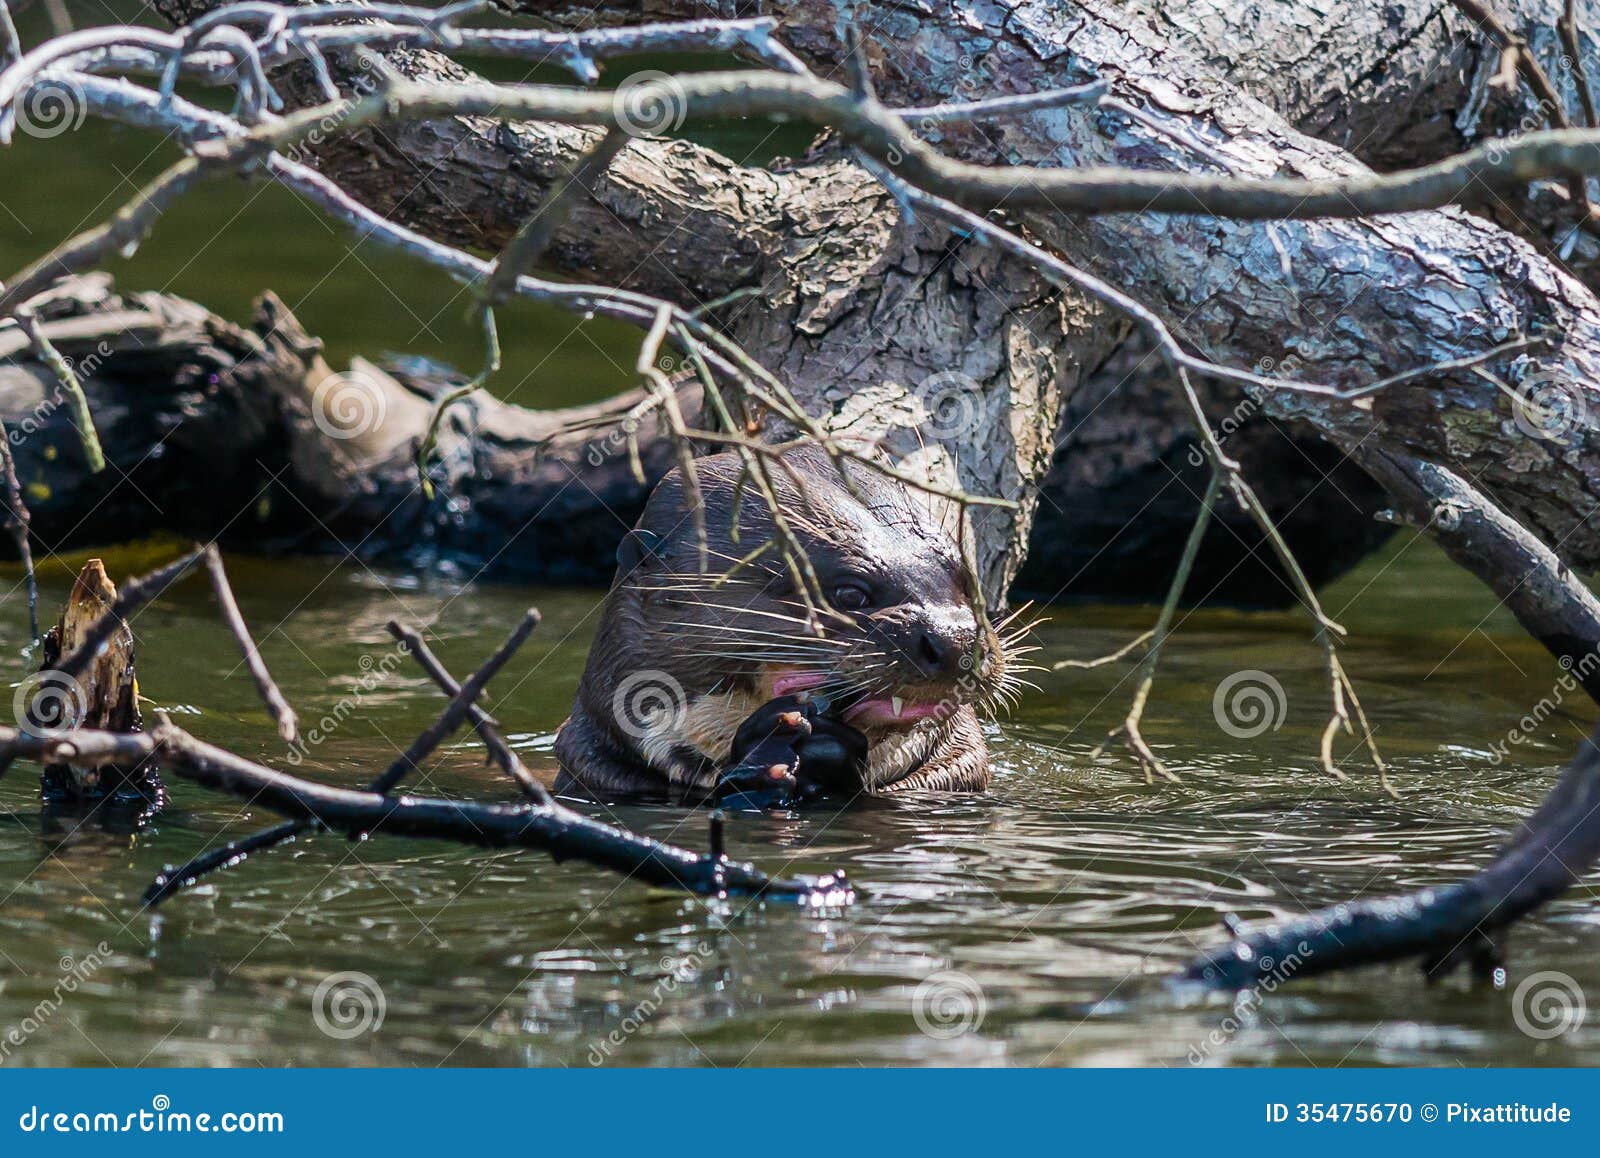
(688, 647)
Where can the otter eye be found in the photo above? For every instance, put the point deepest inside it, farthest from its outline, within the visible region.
(850, 597)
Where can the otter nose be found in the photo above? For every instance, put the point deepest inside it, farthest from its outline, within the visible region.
(942, 643)
(935, 651)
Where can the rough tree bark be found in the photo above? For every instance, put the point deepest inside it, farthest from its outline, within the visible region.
(490, 174)
(1402, 84)
(854, 310)
(1349, 301)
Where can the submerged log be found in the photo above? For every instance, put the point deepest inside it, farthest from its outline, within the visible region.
(214, 430)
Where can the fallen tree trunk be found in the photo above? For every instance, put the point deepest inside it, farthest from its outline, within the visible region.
(1350, 301)
(1405, 284)
(872, 402)
(1397, 85)
(868, 321)
(1345, 301)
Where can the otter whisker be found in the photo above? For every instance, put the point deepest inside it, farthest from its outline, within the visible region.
(759, 649)
(1016, 614)
(793, 622)
(749, 658)
(1019, 609)
(757, 634)
(762, 653)
(807, 641)
(1022, 633)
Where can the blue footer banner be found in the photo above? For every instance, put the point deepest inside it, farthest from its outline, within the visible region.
(783, 1112)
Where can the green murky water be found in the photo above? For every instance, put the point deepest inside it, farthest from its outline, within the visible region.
(1045, 911)
(1059, 897)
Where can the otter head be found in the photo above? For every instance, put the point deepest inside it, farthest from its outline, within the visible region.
(711, 632)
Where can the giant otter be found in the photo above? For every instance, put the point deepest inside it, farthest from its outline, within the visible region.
(696, 661)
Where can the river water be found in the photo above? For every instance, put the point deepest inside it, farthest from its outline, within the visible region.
(1028, 926)
(1045, 911)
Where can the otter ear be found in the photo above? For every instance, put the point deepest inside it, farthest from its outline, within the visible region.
(638, 547)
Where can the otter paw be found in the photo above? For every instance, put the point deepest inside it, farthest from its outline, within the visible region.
(833, 759)
(765, 755)
(755, 787)
(823, 755)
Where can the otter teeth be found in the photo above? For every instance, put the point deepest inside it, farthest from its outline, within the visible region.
(897, 704)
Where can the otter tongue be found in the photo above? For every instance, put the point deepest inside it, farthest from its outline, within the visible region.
(890, 710)
(796, 681)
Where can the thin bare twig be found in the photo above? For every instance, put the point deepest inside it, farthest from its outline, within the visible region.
(482, 722)
(277, 703)
(1567, 28)
(524, 250)
(451, 718)
(1122, 652)
(67, 381)
(16, 524)
(1130, 726)
(462, 702)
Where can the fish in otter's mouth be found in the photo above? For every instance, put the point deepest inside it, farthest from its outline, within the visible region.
(872, 623)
